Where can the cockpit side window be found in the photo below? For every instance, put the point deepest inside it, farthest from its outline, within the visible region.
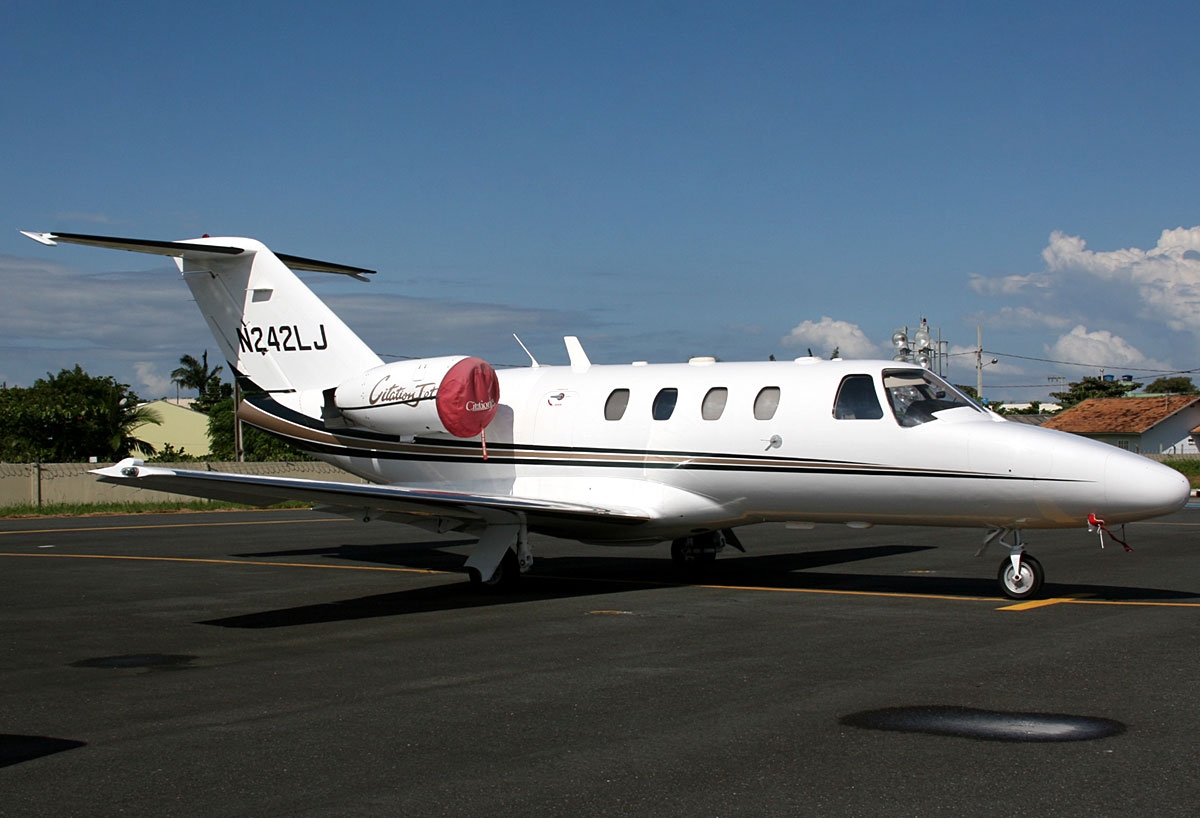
(916, 395)
(857, 400)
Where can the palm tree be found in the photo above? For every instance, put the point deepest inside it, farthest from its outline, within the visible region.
(130, 416)
(193, 374)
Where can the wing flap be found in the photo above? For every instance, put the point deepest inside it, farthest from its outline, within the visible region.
(262, 490)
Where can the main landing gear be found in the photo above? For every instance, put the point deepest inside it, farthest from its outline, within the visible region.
(505, 578)
(1020, 575)
(698, 552)
(500, 557)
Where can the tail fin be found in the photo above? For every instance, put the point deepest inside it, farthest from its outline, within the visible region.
(270, 326)
(273, 330)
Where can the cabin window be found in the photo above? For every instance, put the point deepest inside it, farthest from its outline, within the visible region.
(856, 399)
(713, 404)
(664, 403)
(614, 407)
(766, 402)
(917, 395)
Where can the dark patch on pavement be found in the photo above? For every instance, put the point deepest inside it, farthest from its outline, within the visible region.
(152, 661)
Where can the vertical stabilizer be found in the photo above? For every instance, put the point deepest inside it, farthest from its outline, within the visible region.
(271, 327)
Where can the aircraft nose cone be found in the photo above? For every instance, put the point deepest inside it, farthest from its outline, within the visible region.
(1136, 487)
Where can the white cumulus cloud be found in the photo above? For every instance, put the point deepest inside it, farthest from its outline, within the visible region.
(826, 335)
(1102, 348)
(1008, 285)
(151, 383)
(1165, 279)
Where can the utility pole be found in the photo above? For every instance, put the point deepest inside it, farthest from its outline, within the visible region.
(238, 454)
(979, 362)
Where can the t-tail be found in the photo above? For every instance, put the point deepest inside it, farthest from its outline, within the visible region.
(275, 333)
(279, 338)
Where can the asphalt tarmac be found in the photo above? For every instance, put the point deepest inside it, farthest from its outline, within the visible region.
(287, 663)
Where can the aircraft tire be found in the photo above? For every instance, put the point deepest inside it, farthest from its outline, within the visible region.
(689, 559)
(506, 578)
(1027, 584)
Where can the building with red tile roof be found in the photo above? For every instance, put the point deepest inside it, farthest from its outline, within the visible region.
(1150, 425)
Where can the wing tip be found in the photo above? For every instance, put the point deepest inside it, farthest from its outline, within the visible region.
(41, 238)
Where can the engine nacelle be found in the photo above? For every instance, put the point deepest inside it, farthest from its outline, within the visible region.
(456, 394)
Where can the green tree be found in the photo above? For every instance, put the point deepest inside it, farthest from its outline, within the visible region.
(1093, 387)
(1177, 385)
(1034, 408)
(193, 374)
(70, 417)
(257, 445)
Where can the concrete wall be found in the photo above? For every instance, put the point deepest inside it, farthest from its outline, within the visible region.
(71, 483)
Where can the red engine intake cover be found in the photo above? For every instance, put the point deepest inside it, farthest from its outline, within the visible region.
(468, 397)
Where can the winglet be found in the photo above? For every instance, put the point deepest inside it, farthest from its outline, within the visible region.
(41, 238)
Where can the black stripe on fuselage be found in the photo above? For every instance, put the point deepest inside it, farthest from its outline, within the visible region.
(469, 451)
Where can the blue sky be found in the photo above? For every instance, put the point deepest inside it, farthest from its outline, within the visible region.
(662, 179)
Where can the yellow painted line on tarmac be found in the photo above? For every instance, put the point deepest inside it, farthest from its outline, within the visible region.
(837, 592)
(1033, 604)
(1136, 603)
(1037, 603)
(149, 526)
(127, 557)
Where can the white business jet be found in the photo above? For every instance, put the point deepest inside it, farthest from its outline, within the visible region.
(629, 454)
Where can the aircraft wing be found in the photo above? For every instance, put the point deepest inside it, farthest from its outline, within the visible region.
(361, 499)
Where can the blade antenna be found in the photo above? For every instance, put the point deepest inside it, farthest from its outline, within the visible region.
(532, 360)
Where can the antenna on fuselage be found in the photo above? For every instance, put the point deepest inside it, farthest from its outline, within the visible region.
(532, 360)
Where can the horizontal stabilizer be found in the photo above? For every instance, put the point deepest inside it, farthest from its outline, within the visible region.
(190, 250)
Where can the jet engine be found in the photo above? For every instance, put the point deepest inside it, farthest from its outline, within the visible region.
(456, 394)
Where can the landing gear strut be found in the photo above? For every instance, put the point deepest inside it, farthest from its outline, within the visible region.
(1020, 575)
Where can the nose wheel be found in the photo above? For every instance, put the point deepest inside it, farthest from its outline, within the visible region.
(1020, 576)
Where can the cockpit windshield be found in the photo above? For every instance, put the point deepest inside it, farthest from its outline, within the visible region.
(917, 395)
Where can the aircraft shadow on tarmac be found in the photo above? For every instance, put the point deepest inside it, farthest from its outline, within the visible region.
(572, 576)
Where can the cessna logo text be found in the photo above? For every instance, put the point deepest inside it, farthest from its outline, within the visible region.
(283, 338)
(384, 392)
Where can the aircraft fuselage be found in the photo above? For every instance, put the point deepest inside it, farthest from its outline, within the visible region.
(709, 445)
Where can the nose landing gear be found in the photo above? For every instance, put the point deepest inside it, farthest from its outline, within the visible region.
(1020, 575)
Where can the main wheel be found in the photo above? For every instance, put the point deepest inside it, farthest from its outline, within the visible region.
(690, 555)
(1021, 585)
(505, 579)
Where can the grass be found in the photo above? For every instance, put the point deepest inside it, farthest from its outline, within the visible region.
(1189, 467)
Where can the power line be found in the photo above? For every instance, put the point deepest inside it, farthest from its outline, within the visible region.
(1090, 366)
